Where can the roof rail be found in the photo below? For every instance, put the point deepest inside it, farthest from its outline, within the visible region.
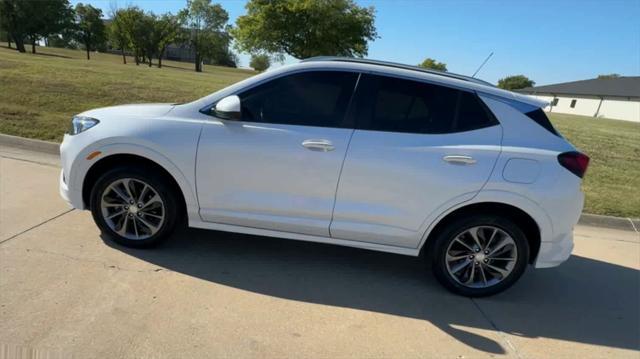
(398, 66)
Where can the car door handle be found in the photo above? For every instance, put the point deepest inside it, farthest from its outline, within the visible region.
(318, 145)
(459, 159)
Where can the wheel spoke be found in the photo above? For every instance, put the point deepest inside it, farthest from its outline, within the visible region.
(504, 272)
(152, 228)
(127, 186)
(115, 189)
(147, 214)
(116, 214)
(500, 245)
(474, 234)
(493, 235)
(502, 259)
(123, 230)
(464, 244)
(471, 275)
(153, 199)
(142, 193)
(135, 226)
(460, 266)
(483, 275)
(456, 258)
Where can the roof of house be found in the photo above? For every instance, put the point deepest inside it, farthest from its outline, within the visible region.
(625, 86)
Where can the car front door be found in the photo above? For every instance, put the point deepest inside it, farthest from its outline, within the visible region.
(418, 149)
(277, 167)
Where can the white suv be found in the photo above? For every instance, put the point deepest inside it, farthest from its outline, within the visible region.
(352, 152)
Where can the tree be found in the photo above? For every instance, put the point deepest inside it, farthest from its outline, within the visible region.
(305, 28)
(432, 64)
(14, 19)
(260, 62)
(166, 31)
(90, 30)
(608, 76)
(206, 29)
(515, 82)
(47, 18)
(117, 32)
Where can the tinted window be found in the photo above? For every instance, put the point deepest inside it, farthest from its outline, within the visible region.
(541, 119)
(397, 105)
(472, 114)
(307, 99)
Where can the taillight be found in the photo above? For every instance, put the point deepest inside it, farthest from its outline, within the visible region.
(575, 162)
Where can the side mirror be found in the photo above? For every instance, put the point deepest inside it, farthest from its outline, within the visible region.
(228, 108)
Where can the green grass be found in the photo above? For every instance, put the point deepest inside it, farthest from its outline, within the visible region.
(39, 94)
(612, 182)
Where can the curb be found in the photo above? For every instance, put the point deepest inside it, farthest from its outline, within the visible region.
(594, 220)
(621, 223)
(30, 144)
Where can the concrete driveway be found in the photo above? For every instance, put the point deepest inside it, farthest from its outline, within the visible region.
(64, 290)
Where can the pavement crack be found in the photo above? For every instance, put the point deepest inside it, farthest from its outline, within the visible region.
(105, 265)
(502, 334)
(36, 226)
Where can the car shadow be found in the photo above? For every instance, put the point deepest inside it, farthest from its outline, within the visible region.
(584, 300)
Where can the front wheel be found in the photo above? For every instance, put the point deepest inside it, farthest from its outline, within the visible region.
(134, 206)
(480, 255)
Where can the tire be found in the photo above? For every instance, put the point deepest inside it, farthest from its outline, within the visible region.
(472, 273)
(149, 221)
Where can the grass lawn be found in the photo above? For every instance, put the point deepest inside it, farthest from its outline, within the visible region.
(39, 93)
(612, 182)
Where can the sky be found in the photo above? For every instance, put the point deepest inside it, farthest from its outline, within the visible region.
(548, 41)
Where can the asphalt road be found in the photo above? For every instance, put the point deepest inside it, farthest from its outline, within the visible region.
(65, 290)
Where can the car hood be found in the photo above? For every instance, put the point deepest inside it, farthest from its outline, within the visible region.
(130, 111)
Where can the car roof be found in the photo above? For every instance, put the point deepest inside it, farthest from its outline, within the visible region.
(399, 66)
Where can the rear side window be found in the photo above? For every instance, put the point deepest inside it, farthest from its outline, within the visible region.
(398, 105)
(541, 119)
(306, 99)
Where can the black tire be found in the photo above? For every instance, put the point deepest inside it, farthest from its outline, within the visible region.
(458, 226)
(158, 183)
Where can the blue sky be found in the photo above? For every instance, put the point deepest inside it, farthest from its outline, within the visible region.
(549, 41)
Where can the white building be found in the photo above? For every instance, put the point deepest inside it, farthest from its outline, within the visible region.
(617, 98)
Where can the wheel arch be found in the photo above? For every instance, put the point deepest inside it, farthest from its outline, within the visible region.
(120, 159)
(524, 220)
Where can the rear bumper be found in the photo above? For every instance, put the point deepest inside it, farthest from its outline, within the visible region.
(552, 254)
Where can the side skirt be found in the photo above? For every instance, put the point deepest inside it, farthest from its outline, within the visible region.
(303, 237)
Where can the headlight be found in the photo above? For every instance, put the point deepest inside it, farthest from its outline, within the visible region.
(81, 124)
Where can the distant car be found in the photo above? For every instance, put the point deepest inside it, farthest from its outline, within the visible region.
(358, 153)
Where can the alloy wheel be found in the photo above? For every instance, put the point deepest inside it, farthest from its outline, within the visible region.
(132, 208)
(481, 256)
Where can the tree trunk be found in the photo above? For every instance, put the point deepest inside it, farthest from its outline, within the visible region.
(150, 60)
(160, 57)
(124, 58)
(87, 44)
(9, 41)
(33, 45)
(19, 43)
(198, 62)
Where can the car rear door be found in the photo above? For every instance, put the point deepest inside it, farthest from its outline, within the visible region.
(277, 168)
(418, 149)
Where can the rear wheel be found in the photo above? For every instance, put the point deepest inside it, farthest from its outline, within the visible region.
(134, 206)
(480, 255)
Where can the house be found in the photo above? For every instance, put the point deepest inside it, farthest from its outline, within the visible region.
(616, 97)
